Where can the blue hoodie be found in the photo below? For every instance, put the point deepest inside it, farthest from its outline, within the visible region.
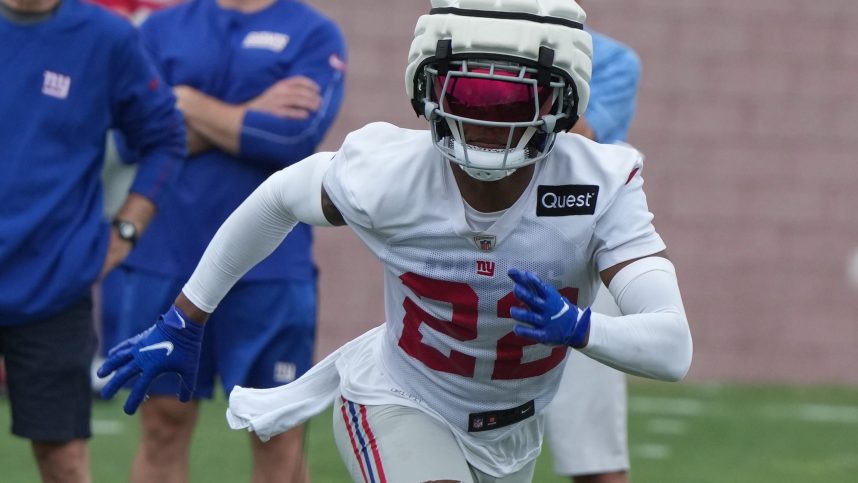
(64, 82)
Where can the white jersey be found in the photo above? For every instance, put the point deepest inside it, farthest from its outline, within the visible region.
(449, 342)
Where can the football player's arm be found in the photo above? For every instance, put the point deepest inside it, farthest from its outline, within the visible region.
(254, 230)
(653, 338)
(287, 121)
(249, 235)
(330, 216)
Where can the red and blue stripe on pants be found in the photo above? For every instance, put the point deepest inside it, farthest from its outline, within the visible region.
(363, 441)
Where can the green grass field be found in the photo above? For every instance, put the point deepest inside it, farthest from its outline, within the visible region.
(679, 433)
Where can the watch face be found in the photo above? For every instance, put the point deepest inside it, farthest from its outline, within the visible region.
(126, 230)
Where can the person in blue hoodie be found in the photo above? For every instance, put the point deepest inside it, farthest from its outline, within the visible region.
(68, 72)
(259, 83)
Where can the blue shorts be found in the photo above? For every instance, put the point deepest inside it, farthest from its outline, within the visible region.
(261, 335)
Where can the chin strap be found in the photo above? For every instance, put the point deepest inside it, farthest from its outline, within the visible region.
(487, 174)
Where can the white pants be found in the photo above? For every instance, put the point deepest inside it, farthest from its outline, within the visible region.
(400, 444)
(586, 423)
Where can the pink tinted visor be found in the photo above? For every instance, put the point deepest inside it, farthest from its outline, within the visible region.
(493, 99)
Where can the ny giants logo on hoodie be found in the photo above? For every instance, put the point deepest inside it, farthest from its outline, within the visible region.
(56, 85)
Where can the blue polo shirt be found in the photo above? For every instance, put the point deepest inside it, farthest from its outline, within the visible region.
(64, 81)
(613, 89)
(234, 57)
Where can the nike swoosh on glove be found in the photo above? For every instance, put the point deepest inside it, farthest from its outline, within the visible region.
(171, 345)
(550, 317)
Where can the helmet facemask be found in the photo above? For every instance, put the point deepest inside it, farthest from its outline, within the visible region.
(494, 114)
(498, 80)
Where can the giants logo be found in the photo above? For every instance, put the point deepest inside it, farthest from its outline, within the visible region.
(566, 200)
(273, 41)
(285, 372)
(485, 268)
(56, 85)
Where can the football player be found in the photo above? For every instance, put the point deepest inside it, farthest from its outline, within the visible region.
(494, 227)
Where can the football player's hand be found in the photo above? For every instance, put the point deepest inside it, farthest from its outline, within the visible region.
(171, 345)
(550, 317)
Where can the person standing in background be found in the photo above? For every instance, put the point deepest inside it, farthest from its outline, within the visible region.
(259, 83)
(69, 71)
(116, 176)
(586, 423)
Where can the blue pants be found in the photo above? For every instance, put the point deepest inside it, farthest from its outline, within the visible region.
(261, 335)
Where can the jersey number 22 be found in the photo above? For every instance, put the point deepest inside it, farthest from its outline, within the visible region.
(463, 327)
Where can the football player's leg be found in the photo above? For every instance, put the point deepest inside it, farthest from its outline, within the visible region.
(265, 335)
(524, 475)
(585, 424)
(396, 443)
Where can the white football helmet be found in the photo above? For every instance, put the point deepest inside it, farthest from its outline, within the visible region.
(498, 79)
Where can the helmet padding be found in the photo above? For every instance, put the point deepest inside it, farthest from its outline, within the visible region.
(533, 53)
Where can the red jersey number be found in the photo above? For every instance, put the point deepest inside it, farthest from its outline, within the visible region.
(463, 327)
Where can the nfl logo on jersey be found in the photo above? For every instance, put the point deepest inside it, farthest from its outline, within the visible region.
(477, 423)
(485, 242)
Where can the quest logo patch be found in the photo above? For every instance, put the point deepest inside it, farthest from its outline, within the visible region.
(566, 200)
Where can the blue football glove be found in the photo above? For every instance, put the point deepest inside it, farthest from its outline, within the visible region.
(550, 317)
(171, 345)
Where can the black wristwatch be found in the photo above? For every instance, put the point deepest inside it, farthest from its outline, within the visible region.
(127, 230)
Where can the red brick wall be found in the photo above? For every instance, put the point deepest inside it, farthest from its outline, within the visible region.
(747, 115)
